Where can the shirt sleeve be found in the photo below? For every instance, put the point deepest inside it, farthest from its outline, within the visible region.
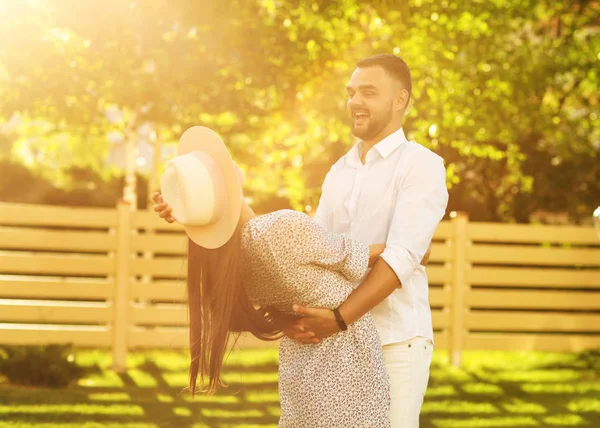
(421, 203)
(312, 244)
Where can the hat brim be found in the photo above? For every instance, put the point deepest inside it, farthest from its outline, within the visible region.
(201, 138)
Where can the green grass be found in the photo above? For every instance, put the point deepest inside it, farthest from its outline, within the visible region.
(491, 389)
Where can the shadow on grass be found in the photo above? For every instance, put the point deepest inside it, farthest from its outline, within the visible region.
(491, 389)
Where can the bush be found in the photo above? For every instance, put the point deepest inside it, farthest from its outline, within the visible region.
(51, 366)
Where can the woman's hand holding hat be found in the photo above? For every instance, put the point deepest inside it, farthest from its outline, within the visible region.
(162, 208)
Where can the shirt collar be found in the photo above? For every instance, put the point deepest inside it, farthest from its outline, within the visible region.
(385, 147)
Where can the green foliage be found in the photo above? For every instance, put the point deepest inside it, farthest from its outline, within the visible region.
(50, 366)
(507, 92)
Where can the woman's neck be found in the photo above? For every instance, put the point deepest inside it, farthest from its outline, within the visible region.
(246, 214)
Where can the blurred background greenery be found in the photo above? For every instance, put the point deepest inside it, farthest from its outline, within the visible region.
(506, 91)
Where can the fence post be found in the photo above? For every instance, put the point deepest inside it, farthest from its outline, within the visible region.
(459, 222)
(120, 325)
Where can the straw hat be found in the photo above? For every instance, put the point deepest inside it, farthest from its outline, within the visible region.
(202, 185)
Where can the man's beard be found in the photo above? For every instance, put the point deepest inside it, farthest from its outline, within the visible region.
(376, 125)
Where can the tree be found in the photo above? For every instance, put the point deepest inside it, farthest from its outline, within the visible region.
(506, 92)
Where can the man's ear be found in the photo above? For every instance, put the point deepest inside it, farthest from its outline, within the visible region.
(402, 99)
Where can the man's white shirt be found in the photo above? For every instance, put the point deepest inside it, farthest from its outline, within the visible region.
(398, 197)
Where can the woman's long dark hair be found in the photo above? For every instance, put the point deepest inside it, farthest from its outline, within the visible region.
(219, 306)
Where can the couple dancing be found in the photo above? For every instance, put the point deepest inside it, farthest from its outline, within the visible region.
(345, 291)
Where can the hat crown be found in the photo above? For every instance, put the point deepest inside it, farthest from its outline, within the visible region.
(195, 188)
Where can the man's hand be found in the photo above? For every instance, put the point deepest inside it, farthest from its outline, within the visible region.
(296, 332)
(162, 208)
(315, 324)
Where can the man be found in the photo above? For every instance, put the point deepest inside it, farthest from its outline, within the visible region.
(385, 189)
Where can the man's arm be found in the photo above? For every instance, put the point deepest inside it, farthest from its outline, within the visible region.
(421, 204)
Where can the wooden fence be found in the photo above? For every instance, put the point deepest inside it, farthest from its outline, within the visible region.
(115, 278)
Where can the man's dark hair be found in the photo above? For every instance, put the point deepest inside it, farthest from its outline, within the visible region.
(393, 65)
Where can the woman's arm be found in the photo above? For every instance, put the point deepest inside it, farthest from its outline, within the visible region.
(375, 251)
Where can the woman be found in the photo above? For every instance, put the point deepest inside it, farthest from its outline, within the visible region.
(244, 274)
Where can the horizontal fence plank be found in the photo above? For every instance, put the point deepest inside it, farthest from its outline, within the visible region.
(168, 267)
(55, 289)
(534, 300)
(21, 334)
(53, 312)
(440, 296)
(533, 277)
(439, 274)
(150, 220)
(177, 315)
(523, 321)
(440, 318)
(63, 265)
(167, 290)
(163, 244)
(48, 215)
(531, 233)
(441, 339)
(176, 290)
(158, 338)
(440, 253)
(247, 341)
(179, 338)
(177, 244)
(527, 255)
(531, 342)
(57, 240)
(444, 230)
(159, 315)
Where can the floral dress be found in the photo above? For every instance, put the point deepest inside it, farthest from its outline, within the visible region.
(342, 381)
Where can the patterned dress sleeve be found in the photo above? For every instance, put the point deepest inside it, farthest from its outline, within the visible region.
(310, 243)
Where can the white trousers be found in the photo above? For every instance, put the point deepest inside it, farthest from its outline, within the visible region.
(407, 365)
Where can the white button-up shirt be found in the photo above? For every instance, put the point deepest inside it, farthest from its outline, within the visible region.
(397, 197)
